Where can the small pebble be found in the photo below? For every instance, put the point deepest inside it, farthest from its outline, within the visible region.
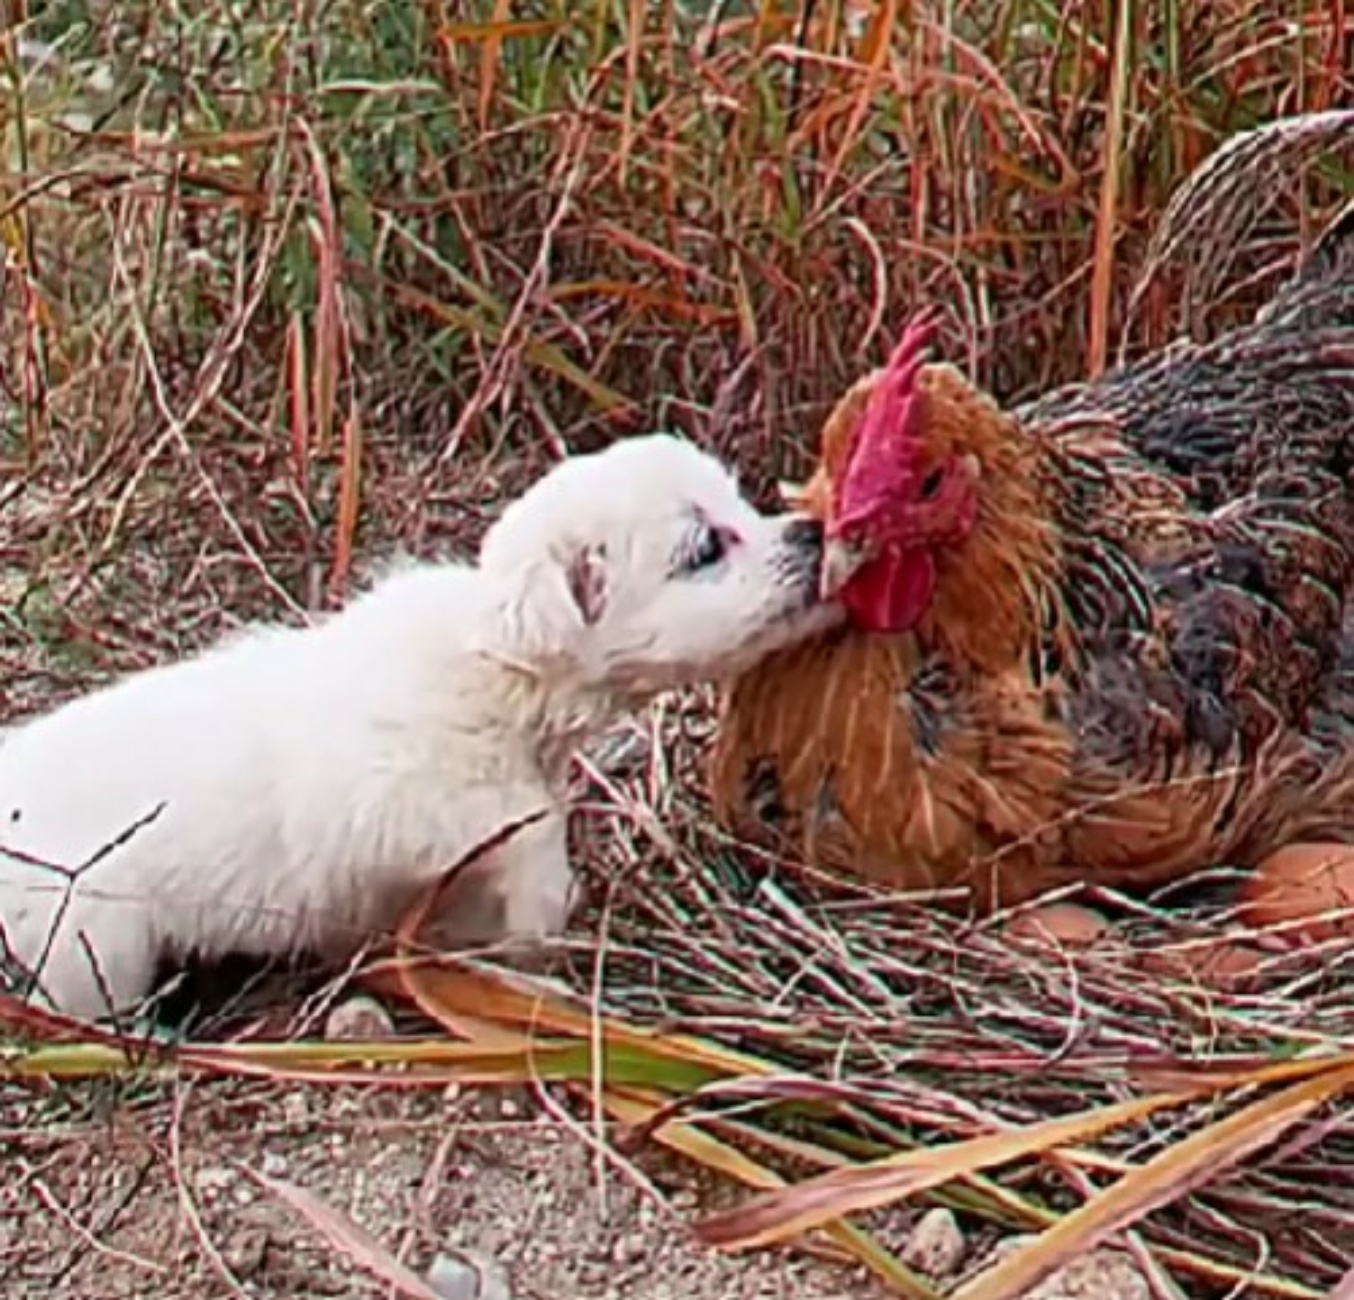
(936, 1246)
(629, 1248)
(212, 1179)
(1101, 1275)
(245, 1252)
(358, 1018)
(468, 1275)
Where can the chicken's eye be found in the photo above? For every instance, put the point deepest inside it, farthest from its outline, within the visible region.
(932, 483)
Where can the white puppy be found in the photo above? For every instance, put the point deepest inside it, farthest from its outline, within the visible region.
(298, 788)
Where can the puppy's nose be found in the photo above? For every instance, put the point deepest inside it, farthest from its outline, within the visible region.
(805, 535)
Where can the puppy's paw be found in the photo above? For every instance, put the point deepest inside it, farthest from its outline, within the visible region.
(537, 910)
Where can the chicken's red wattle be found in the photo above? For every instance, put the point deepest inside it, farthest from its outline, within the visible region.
(892, 592)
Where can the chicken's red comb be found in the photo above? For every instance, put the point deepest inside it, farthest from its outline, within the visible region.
(879, 462)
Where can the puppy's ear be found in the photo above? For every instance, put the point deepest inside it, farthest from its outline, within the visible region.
(553, 601)
(585, 573)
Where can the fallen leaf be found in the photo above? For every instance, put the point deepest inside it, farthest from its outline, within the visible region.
(341, 1232)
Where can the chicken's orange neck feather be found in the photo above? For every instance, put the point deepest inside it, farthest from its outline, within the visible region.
(994, 592)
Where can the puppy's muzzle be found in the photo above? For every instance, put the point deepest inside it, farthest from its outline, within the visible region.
(806, 537)
(803, 542)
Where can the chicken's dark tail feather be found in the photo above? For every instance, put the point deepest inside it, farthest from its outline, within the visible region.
(1321, 293)
(1334, 249)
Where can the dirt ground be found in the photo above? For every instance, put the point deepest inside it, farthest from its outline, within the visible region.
(155, 1197)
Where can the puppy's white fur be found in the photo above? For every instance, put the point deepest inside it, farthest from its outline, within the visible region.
(297, 788)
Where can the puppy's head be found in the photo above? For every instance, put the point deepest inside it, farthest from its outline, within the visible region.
(642, 567)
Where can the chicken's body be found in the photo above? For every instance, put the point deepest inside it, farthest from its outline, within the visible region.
(1129, 664)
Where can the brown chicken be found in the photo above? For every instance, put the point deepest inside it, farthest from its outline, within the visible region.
(1097, 640)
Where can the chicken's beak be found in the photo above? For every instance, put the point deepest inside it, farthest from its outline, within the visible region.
(841, 560)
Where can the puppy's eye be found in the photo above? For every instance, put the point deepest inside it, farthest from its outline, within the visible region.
(709, 548)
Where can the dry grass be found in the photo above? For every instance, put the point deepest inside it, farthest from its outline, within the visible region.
(288, 284)
(325, 273)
